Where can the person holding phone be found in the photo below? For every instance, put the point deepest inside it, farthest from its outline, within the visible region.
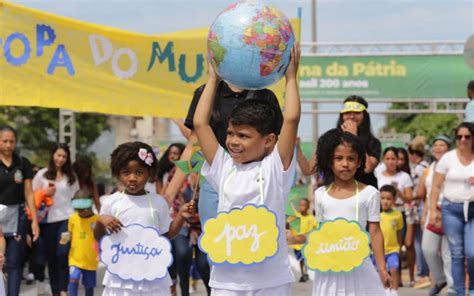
(58, 175)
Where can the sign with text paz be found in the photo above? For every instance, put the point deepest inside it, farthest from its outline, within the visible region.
(384, 77)
(136, 253)
(56, 62)
(336, 246)
(242, 236)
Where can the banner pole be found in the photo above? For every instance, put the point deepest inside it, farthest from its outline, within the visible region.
(67, 130)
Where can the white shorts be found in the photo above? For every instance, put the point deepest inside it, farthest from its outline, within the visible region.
(283, 290)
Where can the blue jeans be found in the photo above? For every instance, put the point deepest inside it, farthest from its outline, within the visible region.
(57, 255)
(184, 260)
(421, 265)
(39, 259)
(88, 280)
(460, 236)
(208, 201)
(15, 253)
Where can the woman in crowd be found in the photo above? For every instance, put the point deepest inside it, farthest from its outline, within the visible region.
(60, 176)
(403, 162)
(434, 242)
(354, 118)
(15, 189)
(454, 180)
(166, 166)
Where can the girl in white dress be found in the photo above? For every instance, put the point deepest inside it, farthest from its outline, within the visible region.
(341, 157)
(133, 164)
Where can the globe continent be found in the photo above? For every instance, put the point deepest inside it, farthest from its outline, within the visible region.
(249, 44)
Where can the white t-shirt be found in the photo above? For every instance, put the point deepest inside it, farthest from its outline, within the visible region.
(130, 209)
(401, 179)
(243, 187)
(381, 167)
(151, 187)
(456, 187)
(62, 206)
(330, 208)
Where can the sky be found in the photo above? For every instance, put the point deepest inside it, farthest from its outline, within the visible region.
(337, 21)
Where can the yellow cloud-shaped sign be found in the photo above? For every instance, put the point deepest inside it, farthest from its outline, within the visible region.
(337, 246)
(245, 235)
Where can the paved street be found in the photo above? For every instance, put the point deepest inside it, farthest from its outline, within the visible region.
(299, 289)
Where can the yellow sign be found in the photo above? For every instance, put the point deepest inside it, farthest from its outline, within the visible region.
(51, 61)
(337, 246)
(241, 236)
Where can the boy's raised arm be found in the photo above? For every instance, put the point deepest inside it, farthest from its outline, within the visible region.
(291, 111)
(202, 116)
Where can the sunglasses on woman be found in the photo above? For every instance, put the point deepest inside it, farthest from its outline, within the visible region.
(460, 137)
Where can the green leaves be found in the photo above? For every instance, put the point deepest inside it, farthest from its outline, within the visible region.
(38, 130)
(428, 125)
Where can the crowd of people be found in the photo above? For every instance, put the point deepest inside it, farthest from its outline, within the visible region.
(417, 203)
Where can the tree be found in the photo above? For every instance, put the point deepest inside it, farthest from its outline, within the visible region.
(38, 130)
(428, 125)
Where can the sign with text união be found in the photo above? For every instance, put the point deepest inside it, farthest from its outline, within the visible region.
(136, 253)
(384, 77)
(247, 236)
(336, 246)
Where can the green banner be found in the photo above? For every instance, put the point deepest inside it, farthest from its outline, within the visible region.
(385, 77)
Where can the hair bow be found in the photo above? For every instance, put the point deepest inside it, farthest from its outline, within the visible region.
(146, 156)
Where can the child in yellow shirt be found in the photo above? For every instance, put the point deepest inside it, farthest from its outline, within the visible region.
(83, 257)
(308, 223)
(391, 224)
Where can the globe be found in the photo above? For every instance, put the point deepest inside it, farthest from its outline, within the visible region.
(249, 44)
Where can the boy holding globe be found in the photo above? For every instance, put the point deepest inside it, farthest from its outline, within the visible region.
(256, 170)
(225, 99)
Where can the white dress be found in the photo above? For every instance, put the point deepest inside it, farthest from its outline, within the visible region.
(136, 209)
(364, 281)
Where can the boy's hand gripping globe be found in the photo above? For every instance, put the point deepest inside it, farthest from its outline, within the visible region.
(249, 44)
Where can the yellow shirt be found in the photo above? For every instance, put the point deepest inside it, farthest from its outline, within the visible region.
(391, 222)
(83, 252)
(308, 223)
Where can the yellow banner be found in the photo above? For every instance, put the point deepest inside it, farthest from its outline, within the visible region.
(56, 62)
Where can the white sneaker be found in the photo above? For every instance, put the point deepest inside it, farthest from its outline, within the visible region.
(192, 289)
(391, 292)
